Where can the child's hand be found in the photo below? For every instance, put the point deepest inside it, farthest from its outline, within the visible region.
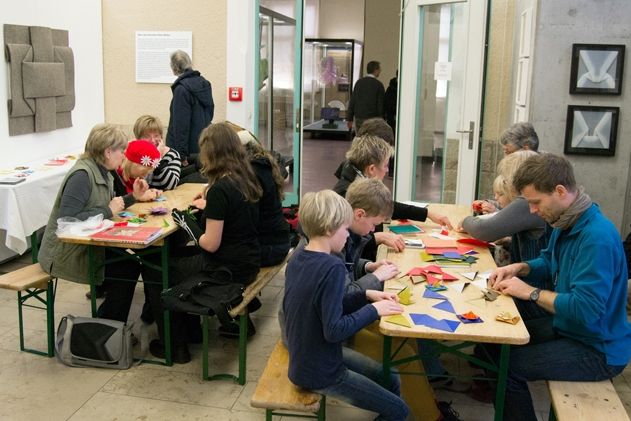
(374, 295)
(386, 271)
(387, 308)
(394, 241)
(140, 188)
(199, 203)
(373, 266)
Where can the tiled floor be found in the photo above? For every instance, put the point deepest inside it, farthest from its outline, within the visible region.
(34, 387)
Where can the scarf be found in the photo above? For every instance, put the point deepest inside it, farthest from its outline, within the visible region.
(576, 209)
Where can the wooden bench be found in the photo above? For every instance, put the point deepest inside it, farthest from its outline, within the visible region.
(585, 401)
(275, 391)
(263, 278)
(33, 282)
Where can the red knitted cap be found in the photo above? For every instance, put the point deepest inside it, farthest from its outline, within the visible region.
(143, 152)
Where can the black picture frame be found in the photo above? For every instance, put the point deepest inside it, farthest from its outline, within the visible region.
(591, 130)
(597, 69)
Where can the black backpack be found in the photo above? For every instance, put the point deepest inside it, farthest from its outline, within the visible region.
(206, 293)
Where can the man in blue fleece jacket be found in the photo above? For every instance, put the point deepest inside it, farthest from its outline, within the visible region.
(587, 337)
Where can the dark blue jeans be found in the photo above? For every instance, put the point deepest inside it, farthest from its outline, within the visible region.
(359, 386)
(552, 358)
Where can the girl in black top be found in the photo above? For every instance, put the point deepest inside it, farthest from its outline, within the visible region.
(273, 228)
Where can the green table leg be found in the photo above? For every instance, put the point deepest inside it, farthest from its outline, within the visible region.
(50, 317)
(387, 361)
(502, 375)
(167, 314)
(92, 279)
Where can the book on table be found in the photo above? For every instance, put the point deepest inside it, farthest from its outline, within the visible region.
(133, 235)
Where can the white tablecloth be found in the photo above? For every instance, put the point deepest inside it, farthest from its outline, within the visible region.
(25, 207)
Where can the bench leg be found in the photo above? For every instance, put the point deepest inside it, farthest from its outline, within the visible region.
(49, 306)
(552, 416)
(243, 346)
(268, 414)
(322, 411)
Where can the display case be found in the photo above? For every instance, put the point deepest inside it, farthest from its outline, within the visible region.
(331, 68)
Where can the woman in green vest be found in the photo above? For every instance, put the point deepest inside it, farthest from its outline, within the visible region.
(87, 190)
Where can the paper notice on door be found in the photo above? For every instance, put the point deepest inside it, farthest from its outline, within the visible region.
(442, 70)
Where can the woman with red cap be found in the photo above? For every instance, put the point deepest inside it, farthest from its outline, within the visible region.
(141, 158)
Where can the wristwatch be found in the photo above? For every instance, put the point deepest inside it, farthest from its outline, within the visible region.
(534, 295)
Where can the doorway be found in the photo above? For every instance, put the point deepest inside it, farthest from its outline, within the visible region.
(440, 99)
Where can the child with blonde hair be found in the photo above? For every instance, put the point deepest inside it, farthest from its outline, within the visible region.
(319, 315)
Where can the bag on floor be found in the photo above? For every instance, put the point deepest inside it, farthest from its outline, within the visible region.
(94, 342)
(206, 293)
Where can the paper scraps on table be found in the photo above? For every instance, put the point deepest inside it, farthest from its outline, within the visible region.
(405, 229)
(57, 162)
(399, 319)
(21, 167)
(158, 210)
(474, 242)
(480, 283)
(458, 286)
(165, 223)
(444, 230)
(469, 275)
(507, 317)
(126, 214)
(405, 296)
(160, 199)
(434, 295)
(429, 321)
(120, 224)
(137, 220)
(469, 317)
(490, 295)
(417, 279)
(445, 306)
(436, 287)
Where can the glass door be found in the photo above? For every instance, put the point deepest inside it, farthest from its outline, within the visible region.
(280, 46)
(440, 97)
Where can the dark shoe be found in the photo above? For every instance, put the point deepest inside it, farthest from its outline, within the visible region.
(179, 351)
(448, 413)
(232, 330)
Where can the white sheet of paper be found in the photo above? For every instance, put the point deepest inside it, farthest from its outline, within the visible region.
(457, 286)
(441, 237)
(469, 275)
(480, 283)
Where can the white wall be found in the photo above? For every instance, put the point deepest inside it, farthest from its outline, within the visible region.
(82, 18)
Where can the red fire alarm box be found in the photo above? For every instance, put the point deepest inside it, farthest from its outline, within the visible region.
(235, 93)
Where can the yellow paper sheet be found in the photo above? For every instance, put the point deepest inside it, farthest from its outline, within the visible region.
(399, 319)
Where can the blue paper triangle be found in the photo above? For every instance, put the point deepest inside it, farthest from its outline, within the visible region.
(445, 306)
(429, 321)
(431, 294)
(452, 255)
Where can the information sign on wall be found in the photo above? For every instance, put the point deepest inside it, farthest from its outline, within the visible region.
(153, 51)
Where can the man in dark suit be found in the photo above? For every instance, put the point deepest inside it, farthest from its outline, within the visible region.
(367, 98)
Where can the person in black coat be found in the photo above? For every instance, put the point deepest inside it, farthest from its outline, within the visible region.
(367, 98)
(192, 109)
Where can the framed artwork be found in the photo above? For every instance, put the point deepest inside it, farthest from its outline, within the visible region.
(596, 69)
(591, 130)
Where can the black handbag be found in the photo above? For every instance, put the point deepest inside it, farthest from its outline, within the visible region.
(206, 293)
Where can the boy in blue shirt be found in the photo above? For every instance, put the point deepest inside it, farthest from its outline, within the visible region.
(319, 315)
(587, 337)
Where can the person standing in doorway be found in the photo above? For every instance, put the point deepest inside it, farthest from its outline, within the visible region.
(191, 109)
(367, 98)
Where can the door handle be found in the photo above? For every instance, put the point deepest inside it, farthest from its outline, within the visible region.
(470, 131)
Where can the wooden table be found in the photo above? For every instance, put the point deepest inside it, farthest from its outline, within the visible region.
(179, 198)
(490, 331)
